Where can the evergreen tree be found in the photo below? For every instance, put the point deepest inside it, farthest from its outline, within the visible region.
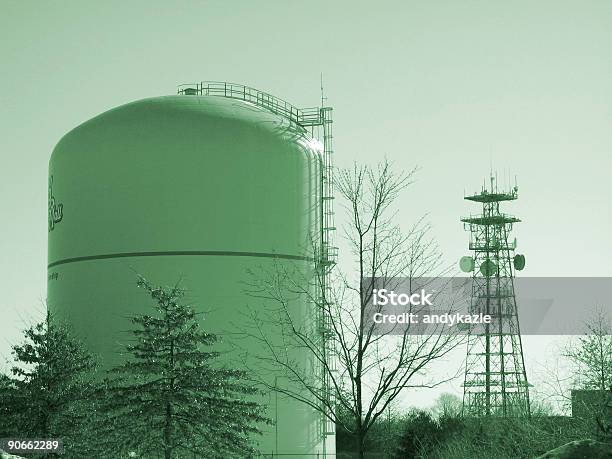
(7, 396)
(168, 399)
(47, 393)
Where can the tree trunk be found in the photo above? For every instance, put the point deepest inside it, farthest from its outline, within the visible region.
(168, 433)
(360, 444)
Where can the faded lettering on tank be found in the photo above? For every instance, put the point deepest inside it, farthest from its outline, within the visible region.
(56, 210)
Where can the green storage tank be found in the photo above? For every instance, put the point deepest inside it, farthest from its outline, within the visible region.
(202, 188)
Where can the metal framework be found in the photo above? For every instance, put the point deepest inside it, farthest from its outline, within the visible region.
(316, 121)
(302, 117)
(495, 377)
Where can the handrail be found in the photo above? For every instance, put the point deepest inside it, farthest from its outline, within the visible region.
(301, 116)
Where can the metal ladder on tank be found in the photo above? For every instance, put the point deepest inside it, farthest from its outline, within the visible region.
(328, 259)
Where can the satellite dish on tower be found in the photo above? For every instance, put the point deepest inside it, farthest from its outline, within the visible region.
(488, 268)
(519, 262)
(466, 264)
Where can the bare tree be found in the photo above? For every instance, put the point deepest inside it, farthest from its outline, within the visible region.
(447, 405)
(364, 370)
(555, 384)
(592, 354)
(580, 363)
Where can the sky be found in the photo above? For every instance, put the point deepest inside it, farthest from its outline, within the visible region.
(455, 88)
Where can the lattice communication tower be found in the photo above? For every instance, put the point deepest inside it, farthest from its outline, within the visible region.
(495, 378)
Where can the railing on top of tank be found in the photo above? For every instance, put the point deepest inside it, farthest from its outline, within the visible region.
(302, 116)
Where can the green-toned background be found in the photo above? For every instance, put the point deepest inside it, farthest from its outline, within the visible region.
(451, 86)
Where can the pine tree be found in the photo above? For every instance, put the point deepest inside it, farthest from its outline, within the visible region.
(7, 397)
(47, 393)
(168, 399)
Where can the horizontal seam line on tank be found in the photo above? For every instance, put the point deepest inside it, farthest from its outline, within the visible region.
(180, 253)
